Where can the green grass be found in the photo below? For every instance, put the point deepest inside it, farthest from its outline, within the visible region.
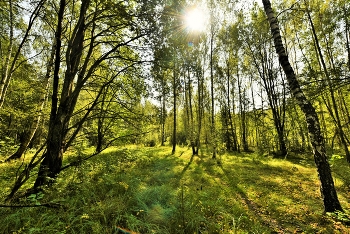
(148, 190)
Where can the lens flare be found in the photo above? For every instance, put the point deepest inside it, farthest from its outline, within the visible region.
(195, 20)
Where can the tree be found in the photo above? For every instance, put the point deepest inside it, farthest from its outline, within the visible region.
(230, 43)
(212, 96)
(329, 194)
(332, 105)
(95, 39)
(29, 133)
(161, 72)
(270, 77)
(12, 55)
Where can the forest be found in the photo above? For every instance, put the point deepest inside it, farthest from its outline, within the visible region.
(174, 116)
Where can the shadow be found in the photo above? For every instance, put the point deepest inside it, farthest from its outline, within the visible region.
(143, 185)
(186, 167)
(252, 206)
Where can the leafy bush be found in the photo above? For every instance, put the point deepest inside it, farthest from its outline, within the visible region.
(7, 146)
(150, 143)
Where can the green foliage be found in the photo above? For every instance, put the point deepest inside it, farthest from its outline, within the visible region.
(148, 190)
(6, 146)
(150, 143)
(35, 198)
(335, 157)
(340, 216)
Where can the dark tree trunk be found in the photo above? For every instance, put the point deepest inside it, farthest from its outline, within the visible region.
(174, 95)
(100, 123)
(225, 120)
(242, 113)
(213, 130)
(51, 165)
(193, 145)
(280, 133)
(100, 137)
(347, 35)
(329, 194)
(163, 117)
(199, 111)
(231, 144)
(233, 132)
(232, 123)
(60, 117)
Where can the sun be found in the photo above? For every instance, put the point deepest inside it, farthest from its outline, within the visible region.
(195, 20)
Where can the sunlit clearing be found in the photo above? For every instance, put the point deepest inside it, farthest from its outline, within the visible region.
(195, 20)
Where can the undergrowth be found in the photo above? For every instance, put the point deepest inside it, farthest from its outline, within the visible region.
(149, 190)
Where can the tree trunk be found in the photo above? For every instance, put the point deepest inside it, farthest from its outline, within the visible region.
(193, 145)
(186, 121)
(213, 130)
(51, 165)
(163, 114)
(300, 129)
(232, 121)
(244, 142)
(200, 89)
(174, 95)
(230, 131)
(347, 35)
(329, 194)
(100, 123)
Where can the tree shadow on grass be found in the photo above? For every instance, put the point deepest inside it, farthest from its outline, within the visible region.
(283, 196)
(250, 204)
(186, 167)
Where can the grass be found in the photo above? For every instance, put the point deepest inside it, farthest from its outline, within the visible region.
(148, 190)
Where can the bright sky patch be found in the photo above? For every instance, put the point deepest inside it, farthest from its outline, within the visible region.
(195, 20)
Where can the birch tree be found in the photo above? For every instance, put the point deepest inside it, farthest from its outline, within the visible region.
(329, 194)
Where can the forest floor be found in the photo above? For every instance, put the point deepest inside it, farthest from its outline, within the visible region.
(149, 190)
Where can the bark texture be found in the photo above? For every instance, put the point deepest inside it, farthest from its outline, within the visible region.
(329, 194)
(52, 162)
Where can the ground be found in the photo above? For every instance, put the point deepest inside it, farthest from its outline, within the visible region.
(149, 190)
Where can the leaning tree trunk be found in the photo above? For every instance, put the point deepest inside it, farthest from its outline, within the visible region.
(329, 194)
